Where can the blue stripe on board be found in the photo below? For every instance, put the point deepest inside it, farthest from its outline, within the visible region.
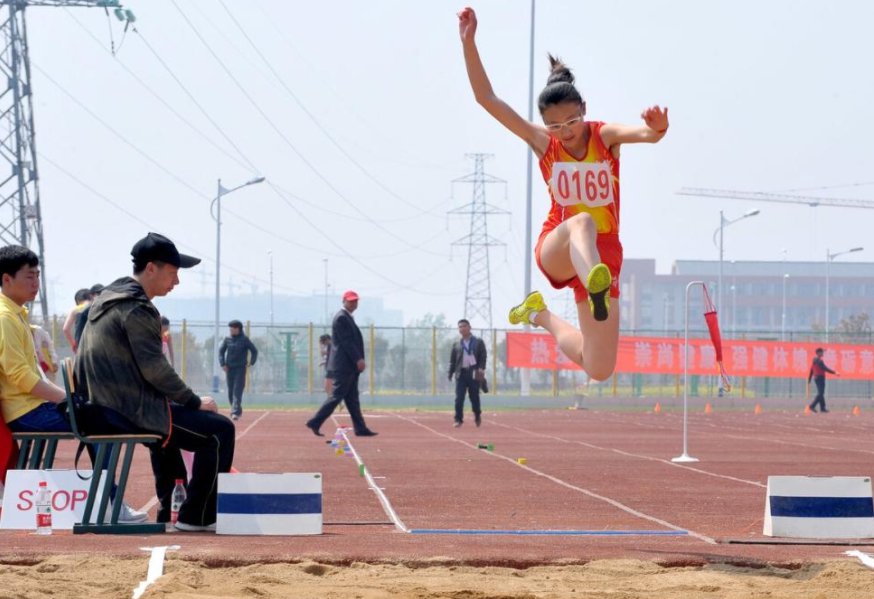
(269, 503)
(575, 533)
(822, 507)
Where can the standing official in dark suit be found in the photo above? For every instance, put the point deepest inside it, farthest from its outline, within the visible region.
(345, 367)
(468, 363)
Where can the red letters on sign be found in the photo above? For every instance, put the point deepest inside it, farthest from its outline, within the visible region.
(61, 500)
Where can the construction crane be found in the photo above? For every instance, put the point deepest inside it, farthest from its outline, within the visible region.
(20, 210)
(782, 198)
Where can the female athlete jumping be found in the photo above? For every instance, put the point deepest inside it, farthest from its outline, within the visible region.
(579, 160)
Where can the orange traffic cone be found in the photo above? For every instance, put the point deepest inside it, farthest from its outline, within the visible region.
(807, 410)
(658, 407)
(856, 411)
(758, 409)
(707, 409)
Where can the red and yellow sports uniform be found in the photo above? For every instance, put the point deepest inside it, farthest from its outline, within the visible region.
(589, 185)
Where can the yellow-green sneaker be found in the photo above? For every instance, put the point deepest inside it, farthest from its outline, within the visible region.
(533, 303)
(598, 285)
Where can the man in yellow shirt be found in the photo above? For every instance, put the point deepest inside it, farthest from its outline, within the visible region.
(27, 399)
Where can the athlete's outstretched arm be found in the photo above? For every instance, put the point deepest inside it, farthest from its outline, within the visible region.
(534, 135)
(654, 129)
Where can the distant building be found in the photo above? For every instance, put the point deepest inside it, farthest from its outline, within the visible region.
(752, 295)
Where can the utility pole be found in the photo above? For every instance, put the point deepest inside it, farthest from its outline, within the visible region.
(478, 290)
(20, 209)
(327, 322)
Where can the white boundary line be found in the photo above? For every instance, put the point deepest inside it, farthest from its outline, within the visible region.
(651, 425)
(562, 483)
(635, 455)
(386, 504)
(156, 567)
(154, 500)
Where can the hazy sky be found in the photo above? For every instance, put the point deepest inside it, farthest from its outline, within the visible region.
(362, 114)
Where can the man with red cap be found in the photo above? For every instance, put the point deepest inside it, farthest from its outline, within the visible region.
(345, 367)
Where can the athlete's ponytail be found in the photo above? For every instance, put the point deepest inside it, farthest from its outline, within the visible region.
(560, 87)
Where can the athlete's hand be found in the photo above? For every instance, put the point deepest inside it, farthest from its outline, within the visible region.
(656, 118)
(467, 24)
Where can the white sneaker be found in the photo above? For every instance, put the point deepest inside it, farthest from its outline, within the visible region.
(194, 527)
(129, 515)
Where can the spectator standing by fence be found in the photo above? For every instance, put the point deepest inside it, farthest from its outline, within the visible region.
(467, 362)
(817, 373)
(236, 354)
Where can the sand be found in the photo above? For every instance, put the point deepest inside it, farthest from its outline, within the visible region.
(95, 577)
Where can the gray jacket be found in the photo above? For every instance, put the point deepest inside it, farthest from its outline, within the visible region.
(120, 364)
(477, 348)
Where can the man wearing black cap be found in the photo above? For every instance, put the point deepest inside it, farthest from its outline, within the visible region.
(345, 366)
(120, 366)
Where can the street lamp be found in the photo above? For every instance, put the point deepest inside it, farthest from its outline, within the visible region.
(828, 259)
(325, 260)
(783, 314)
(733, 298)
(724, 222)
(217, 216)
(270, 256)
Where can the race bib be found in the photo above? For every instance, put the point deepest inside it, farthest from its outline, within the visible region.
(587, 183)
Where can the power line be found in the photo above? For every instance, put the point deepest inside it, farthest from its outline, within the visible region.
(150, 226)
(160, 99)
(246, 165)
(194, 190)
(191, 188)
(285, 139)
(317, 123)
(346, 105)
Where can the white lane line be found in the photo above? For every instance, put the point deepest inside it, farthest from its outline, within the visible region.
(154, 500)
(562, 483)
(386, 504)
(762, 439)
(634, 455)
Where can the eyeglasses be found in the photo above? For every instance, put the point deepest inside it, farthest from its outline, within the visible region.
(569, 123)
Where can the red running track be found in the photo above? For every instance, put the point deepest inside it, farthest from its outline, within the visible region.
(585, 471)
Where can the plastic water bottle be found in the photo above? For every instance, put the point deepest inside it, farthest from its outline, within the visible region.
(43, 501)
(178, 499)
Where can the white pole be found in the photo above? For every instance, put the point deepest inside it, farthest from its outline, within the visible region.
(686, 457)
(270, 254)
(218, 254)
(783, 314)
(525, 379)
(828, 259)
(325, 260)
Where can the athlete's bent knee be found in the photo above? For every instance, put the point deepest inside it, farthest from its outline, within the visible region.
(582, 223)
(599, 372)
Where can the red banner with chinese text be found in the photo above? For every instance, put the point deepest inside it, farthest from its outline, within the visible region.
(658, 355)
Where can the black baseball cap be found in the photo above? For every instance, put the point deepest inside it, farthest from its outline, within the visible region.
(157, 248)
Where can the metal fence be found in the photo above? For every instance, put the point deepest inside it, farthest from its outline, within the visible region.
(414, 361)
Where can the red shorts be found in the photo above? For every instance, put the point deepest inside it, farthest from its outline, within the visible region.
(610, 249)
